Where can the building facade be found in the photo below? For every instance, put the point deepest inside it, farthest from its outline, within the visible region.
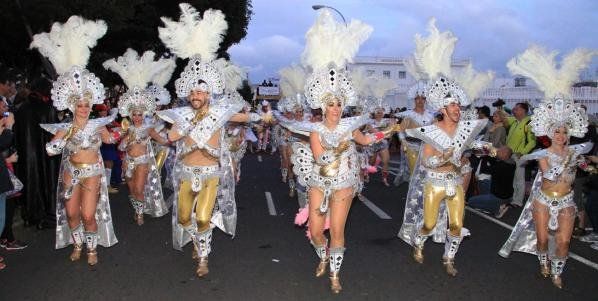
(511, 89)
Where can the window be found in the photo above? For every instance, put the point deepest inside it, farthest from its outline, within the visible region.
(402, 74)
(370, 72)
(386, 73)
(519, 82)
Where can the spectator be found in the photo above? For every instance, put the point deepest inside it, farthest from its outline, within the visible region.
(496, 192)
(592, 207)
(7, 239)
(497, 133)
(579, 185)
(37, 171)
(522, 141)
(499, 104)
(5, 183)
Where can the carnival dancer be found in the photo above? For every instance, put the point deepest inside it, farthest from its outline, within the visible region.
(414, 118)
(138, 103)
(379, 87)
(265, 126)
(292, 84)
(439, 181)
(328, 167)
(202, 162)
(282, 136)
(82, 207)
(550, 210)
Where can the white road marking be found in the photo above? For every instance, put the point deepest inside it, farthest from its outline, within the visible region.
(507, 226)
(259, 158)
(270, 202)
(379, 212)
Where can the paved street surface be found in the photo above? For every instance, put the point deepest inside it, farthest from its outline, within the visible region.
(271, 259)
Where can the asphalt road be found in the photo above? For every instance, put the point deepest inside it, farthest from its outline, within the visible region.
(271, 259)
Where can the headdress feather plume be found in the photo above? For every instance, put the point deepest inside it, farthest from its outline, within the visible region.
(473, 82)
(138, 71)
(540, 66)
(433, 54)
(292, 80)
(328, 41)
(192, 35)
(69, 44)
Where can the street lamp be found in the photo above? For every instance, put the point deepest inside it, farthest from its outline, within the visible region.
(319, 6)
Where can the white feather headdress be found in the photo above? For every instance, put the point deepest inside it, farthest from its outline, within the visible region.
(540, 66)
(329, 47)
(136, 72)
(432, 61)
(292, 83)
(198, 39)
(379, 88)
(360, 81)
(159, 81)
(557, 109)
(473, 82)
(67, 46)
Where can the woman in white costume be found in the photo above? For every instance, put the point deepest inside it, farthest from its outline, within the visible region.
(549, 214)
(82, 207)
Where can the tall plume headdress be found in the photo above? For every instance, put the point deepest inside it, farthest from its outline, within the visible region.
(157, 89)
(379, 88)
(557, 109)
(137, 72)
(473, 83)
(198, 39)
(329, 47)
(292, 84)
(432, 61)
(67, 46)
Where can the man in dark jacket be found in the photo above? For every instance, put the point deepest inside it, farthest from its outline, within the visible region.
(501, 170)
(37, 171)
(5, 183)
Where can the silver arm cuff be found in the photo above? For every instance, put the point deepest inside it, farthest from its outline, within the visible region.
(55, 147)
(325, 158)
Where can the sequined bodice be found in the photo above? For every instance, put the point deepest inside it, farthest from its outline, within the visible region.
(84, 140)
(140, 134)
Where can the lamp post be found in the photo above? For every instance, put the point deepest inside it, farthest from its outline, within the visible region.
(319, 6)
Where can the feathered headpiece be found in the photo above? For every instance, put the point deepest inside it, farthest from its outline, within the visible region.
(292, 83)
(329, 47)
(540, 66)
(432, 61)
(67, 46)
(136, 72)
(473, 82)
(157, 89)
(361, 81)
(379, 88)
(558, 109)
(197, 39)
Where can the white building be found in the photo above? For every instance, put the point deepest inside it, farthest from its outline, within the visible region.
(511, 89)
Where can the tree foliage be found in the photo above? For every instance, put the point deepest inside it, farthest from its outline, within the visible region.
(131, 24)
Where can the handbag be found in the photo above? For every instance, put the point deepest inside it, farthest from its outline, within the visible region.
(16, 183)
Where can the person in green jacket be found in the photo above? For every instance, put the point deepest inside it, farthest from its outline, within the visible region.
(521, 140)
